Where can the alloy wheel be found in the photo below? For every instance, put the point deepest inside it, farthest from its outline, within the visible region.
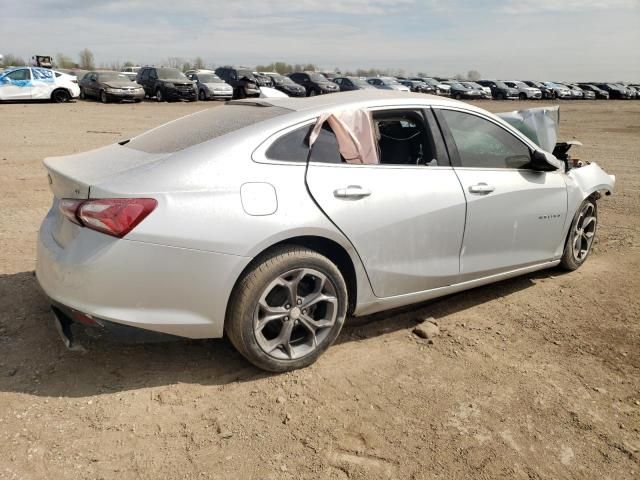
(584, 232)
(295, 313)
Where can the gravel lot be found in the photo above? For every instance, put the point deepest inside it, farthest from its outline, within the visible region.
(535, 377)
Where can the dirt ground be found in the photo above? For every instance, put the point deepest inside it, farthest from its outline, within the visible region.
(535, 377)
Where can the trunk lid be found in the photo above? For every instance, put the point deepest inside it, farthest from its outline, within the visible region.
(71, 176)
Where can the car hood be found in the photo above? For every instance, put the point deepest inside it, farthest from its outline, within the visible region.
(120, 84)
(218, 86)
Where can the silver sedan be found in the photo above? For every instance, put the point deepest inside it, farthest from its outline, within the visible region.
(272, 220)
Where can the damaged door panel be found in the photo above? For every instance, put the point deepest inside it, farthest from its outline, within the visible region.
(401, 207)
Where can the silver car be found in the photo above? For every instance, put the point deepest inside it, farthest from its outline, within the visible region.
(524, 91)
(210, 86)
(228, 222)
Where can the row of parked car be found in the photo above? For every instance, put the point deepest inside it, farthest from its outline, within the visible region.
(171, 84)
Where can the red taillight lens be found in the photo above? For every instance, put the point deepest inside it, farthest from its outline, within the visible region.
(113, 216)
(69, 208)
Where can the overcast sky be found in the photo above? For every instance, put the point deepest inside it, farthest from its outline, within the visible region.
(526, 39)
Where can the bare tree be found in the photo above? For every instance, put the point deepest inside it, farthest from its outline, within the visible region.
(474, 75)
(198, 63)
(86, 60)
(64, 61)
(12, 61)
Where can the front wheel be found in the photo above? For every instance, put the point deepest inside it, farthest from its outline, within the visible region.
(103, 97)
(202, 96)
(287, 310)
(523, 96)
(581, 235)
(159, 95)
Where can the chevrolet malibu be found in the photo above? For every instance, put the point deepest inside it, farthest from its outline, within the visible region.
(270, 221)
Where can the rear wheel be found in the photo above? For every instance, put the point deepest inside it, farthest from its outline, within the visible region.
(287, 310)
(82, 94)
(60, 96)
(581, 235)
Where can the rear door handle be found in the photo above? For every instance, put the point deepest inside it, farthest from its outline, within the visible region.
(481, 188)
(352, 191)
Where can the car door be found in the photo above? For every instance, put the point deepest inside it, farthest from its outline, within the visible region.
(515, 215)
(16, 85)
(405, 215)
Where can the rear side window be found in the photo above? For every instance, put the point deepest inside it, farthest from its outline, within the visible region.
(482, 144)
(292, 147)
(201, 127)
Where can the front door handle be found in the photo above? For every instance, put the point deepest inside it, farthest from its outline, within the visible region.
(481, 188)
(352, 191)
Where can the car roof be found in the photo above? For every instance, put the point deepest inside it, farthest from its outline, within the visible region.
(356, 99)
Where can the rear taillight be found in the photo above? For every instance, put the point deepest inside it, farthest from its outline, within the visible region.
(113, 216)
(69, 208)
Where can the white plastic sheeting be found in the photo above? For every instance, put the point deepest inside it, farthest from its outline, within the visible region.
(539, 124)
(354, 133)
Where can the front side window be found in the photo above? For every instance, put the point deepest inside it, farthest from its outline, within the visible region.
(483, 144)
(18, 75)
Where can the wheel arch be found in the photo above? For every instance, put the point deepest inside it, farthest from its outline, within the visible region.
(58, 89)
(324, 246)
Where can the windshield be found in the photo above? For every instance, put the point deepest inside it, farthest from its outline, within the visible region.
(474, 85)
(359, 82)
(245, 73)
(390, 81)
(501, 84)
(209, 78)
(282, 80)
(317, 77)
(521, 85)
(113, 76)
(456, 85)
(171, 73)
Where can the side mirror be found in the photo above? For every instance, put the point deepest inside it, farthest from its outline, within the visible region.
(539, 162)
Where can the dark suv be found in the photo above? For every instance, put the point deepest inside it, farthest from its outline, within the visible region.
(166, 84)
(242, 80)
(500, 90)
(314, 83)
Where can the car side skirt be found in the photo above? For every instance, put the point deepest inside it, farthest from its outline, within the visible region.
(404, 300)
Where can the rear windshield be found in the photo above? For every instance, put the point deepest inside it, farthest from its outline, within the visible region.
(201, 127)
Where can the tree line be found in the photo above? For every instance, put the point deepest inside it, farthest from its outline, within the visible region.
(86, 61)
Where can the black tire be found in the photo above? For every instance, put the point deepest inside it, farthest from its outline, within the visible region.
(570, 260)
(83, 96)
(523, 96)
(312, 93)
(244, 307)
(103, 97)
(458, 96)
(60, 96)
(500, 96)
(202, 96)
(159, 95)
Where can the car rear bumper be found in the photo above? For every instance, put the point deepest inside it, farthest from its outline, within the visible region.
(176, 291)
